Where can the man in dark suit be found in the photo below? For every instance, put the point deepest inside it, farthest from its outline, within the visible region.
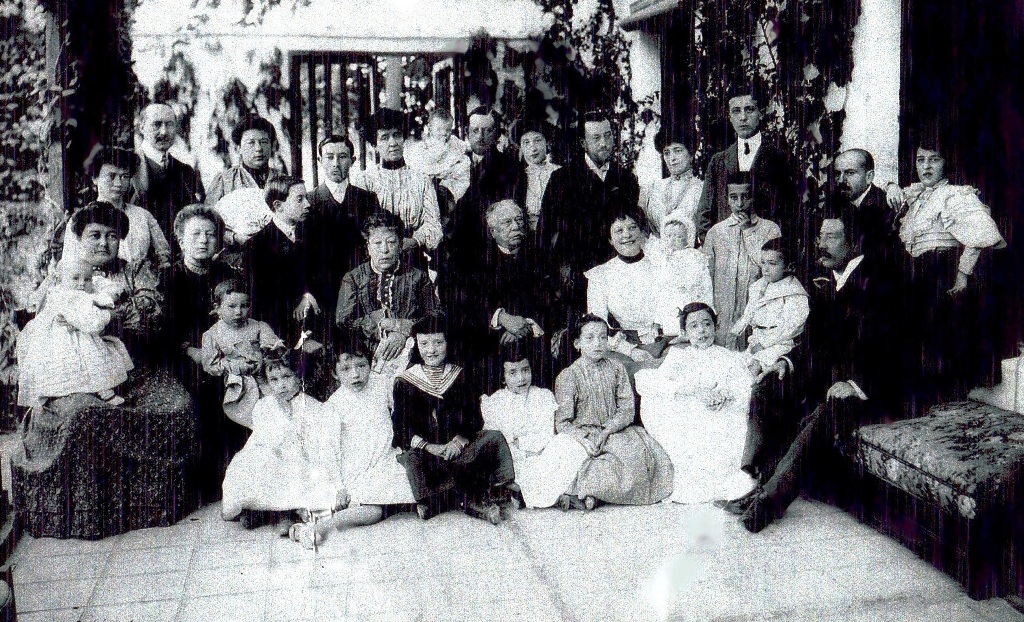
(866, 203)
(163, 185)
(493, 176)
(338, 211)
(505, 296)
(583, 197)
(854, 376)
(775, 192)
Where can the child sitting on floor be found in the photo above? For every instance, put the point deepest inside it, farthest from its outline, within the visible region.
(625, 465)
(285, 466)
(62, 351)
(233, 349)
(776, 311)
(366, 461)
(546, 463)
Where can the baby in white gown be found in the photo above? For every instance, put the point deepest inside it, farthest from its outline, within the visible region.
(63, 351)
(683, 275)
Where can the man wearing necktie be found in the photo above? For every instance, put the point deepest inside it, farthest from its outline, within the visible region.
(163, 185)
(775, 190)
(583, 198)
(854, 374)
(866, 203)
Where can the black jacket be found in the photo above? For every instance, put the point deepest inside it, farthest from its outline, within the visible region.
(853, 335)
(165, 193)
(775, 190)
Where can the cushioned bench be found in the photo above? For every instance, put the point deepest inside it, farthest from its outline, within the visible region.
(945, 484)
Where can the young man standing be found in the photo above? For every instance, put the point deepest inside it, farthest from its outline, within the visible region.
(775, 192)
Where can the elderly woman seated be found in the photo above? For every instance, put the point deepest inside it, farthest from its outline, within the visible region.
(91, 469)
(381, 299)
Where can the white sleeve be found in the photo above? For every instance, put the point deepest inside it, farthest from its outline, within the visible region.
(795, 310)
(429, 233)
(597, 293)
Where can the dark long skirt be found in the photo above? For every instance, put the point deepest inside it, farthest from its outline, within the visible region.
(90, 470)
(954, 334)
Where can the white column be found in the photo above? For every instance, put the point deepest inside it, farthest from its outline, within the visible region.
(873, 95)
(393, 80)
(645, 61)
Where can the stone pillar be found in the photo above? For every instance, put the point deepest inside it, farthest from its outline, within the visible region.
(873, 95)
(645, 62)
(393, 82)
(56, 155)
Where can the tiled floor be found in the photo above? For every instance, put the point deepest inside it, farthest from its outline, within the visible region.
(666, 562)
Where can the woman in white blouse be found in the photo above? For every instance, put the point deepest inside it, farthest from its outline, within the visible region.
(678, 194)
(531, 137)
(622, 291)
(401, 190)
(945, 230)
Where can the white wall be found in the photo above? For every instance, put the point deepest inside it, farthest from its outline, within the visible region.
(873, 95)
(645, 62)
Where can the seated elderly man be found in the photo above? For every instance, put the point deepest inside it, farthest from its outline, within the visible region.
(507, 295)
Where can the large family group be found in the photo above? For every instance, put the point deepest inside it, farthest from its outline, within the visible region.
(463, 326)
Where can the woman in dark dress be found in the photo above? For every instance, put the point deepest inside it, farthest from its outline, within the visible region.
(199, 232)
(88, 469)
(381, 299)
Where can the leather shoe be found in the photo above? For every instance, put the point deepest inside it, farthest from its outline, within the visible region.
(739, 505)
(762, 511)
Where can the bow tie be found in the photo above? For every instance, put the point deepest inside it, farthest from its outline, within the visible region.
(746, 148)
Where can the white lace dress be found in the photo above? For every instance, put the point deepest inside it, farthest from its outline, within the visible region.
(706, 446)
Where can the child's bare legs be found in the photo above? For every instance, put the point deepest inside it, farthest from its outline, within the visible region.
(354, 516)
(311, 533)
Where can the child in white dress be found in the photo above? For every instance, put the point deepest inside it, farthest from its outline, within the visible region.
(683, 275)
(365, 459)
(696, 406)
(233, 348)
(287, 465)
(546, 463)
(62, 351)
(776, 311)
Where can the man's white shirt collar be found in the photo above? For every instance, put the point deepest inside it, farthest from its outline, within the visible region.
(337, 189)
(600, 171)
(154, 154)
(845, 276)
(746, 161)
(287, 229)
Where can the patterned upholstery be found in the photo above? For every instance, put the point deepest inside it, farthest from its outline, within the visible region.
(89, 470)
(961, 456)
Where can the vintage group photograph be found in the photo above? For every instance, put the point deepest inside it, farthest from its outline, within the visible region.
(501, 310)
